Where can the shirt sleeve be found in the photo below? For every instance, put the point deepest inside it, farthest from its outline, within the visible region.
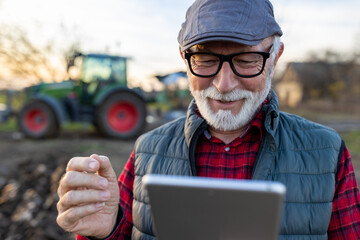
(126, 181)
(345, 218)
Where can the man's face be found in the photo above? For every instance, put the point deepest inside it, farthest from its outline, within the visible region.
(227, 101)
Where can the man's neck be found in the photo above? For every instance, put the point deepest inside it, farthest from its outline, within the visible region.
(227, 136)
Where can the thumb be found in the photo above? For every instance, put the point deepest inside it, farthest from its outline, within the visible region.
(105, 169)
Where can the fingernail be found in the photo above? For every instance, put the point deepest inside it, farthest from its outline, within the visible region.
(103, 182)
(92, 165)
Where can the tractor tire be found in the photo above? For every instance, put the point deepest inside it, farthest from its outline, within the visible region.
(37, 120)
(122, 115)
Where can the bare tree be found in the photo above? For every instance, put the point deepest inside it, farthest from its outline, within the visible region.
(24, 59)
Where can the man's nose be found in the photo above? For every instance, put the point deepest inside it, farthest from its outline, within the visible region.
(225, 80)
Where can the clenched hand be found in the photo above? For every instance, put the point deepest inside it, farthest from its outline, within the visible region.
(89, 197)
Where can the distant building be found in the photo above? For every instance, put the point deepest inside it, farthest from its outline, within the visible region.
(302, 82)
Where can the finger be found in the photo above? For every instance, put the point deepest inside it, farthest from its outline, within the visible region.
(76, 180)
(70, 217)
(106, 170)
(81, 164)
(84, 197)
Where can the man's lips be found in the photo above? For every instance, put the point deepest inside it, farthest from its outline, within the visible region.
(224, 103)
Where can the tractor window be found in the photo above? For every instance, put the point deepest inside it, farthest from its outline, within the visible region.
(119, 70)
(97, 69)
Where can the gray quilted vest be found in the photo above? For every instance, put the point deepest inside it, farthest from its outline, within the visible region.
(301, 154)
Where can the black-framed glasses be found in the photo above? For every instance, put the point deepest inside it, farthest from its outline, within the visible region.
(243, 64)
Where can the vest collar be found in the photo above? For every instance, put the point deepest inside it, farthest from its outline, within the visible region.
(193, 123)
(271, 113)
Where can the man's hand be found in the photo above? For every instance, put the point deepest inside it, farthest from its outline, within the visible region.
(89, 197)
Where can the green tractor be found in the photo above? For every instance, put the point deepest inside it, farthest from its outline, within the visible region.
(99, 95)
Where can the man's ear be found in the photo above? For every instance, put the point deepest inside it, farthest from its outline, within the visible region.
(281, 50)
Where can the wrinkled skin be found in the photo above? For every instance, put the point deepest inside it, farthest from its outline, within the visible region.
(89, 197)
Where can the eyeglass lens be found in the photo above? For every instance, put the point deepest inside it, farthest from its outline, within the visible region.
(246, 64)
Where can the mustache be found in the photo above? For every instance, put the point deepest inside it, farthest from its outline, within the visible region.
(234, 95)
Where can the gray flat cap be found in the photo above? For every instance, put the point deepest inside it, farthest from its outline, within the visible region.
(247, 22)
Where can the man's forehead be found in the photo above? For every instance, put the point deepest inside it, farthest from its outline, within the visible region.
(230, 45)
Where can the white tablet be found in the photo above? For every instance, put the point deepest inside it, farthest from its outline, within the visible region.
(214, 209)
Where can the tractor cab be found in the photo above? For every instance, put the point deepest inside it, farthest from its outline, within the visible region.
(96, 71)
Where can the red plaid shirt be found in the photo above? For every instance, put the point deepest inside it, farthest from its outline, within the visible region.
(236, 160)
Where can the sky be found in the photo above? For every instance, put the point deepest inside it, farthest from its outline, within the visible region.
(146, 30)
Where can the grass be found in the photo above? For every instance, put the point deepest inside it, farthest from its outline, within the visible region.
(9, 126)
(323, 116)
(78, 127)
(352, 141)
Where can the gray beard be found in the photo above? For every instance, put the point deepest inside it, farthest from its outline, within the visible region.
(225, 120)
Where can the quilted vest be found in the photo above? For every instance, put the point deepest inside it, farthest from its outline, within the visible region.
(301, 154)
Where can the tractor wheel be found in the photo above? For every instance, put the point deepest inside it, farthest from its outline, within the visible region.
(122, 115)
(37, 120)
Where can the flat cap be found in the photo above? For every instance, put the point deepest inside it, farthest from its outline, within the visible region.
(247, 22)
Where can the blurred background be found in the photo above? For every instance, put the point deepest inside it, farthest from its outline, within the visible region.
(82, 77)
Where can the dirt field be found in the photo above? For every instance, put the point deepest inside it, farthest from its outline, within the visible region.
(29, 173)
(66, 146)
(27, 167)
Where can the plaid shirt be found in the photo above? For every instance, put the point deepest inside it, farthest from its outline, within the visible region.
(236, 160)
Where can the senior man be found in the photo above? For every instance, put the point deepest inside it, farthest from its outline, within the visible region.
(233, 129)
